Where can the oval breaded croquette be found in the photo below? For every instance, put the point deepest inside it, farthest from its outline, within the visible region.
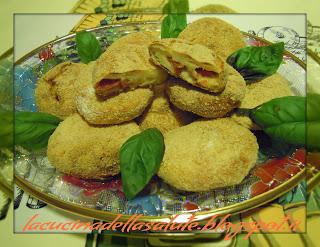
(257, 93)
(217, 34)
(206, 104)
(114, 110)
(55, 91)
(126, 65)
(87, 151)
(162, 115)
(117, 109)
(208, 154)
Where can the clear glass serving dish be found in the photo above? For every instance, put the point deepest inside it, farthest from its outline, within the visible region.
(159, 202)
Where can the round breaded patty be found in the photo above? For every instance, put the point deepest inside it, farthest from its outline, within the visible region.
(86, 151)
(206, 104)
(216, 34)
(162, 115)
(126, 65)
(208, 154)
(257, 93)
(114, 110)
(55, 91)
(118, 109)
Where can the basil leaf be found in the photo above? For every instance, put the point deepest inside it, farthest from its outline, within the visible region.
(313, 121)
(176, 20)
(140, 158)
(283, 118)
(176, 7)
(6, 129)
(172, 25)
(88, 46)
(33, 129)
(255, 63)
(292, 119)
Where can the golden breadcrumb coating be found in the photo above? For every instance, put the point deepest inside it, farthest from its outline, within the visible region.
(117, 109)
(216, 34)
(137, 59)
(205, 104)
(87, 151)
(126, 65)
(208, 154)
(257, 93)
(56, 90)
(162, 115)
(274, 86)
(113, 110)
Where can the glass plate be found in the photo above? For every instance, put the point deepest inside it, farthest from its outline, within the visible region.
(158, 202)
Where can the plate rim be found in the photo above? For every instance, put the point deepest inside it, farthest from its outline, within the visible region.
(201, 216)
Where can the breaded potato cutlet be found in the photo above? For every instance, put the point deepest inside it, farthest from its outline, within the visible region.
(114, 110)
(125, 65)
(79, 149)
(207, 104)
(194, 63)
(217, 34)
(208, 154)
(162, 115)
(118, 109)
(55, 91)
(257, 93)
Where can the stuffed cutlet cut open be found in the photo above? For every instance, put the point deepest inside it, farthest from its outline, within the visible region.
(125, 65)
(193, 63)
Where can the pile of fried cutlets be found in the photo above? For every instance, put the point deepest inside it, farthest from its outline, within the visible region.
(182, 86)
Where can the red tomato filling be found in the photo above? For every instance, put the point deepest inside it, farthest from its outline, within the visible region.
(178, 67)
(206, 73)
(109, 83)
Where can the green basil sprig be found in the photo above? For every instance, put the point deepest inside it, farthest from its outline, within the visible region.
(88, 46)
(172, 25)
(176, 7)
(286, 119)
(283, 118)
(313, 121)
(33, 129)
(255, 63)
(176, 20)
(140, 158)
(6, 129)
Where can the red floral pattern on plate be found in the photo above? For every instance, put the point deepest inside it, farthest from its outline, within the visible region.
(46, 53)
(276, 171)
(91, 187)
